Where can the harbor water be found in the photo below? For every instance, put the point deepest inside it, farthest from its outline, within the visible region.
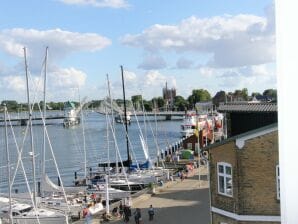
(68, 146)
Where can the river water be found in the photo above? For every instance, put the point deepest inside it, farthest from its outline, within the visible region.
(68, 146)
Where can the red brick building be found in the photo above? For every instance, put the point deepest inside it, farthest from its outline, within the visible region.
(244, 178)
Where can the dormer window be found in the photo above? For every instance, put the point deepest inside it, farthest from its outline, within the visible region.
(224, 179)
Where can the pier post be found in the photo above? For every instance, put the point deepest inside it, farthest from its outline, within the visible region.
(168, 117)
(23, 122)
(38, 189)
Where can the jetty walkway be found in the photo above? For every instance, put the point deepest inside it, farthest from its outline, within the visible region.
(176, 202)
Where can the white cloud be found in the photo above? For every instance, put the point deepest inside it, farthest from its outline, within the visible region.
(129, 76)
(14, 83)
(98, 3)
(207, 71)
(259, 70)
(232, 40)
(154, 78)
(254, 78)
(66, 81)
(152, 63)
(67, 78)
(60, 43)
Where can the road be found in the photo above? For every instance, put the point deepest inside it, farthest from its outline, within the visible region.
(177, 203)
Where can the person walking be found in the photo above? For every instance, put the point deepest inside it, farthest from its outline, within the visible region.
(87, 215)
(137, 215)
(121, 209)
(151, 213)
(126, 214)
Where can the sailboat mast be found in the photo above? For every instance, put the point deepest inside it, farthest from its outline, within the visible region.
(83, 132)
(8, 165)
(113, 126)
(125, 119)
(31, 130)
(43, 167)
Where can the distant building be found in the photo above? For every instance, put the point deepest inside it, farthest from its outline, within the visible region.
(168, 96)
(244, 178)
(204, 107)
(261, 98)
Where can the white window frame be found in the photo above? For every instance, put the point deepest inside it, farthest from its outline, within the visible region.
(277, 182)
(225, 176)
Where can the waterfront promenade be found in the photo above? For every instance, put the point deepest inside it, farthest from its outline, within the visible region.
(176, 202)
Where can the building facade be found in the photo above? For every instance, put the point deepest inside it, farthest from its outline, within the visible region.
(245, 116)
(244, 178)
(168, 96)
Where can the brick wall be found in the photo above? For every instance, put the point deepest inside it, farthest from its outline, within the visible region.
(217, 219)
(223, 153)
(257, 176)
(254, 177)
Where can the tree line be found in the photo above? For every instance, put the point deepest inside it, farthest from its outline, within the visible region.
(178, 103)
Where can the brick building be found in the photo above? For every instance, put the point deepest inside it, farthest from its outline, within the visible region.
(244, 178)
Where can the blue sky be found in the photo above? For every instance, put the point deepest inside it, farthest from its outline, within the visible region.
(191, 44)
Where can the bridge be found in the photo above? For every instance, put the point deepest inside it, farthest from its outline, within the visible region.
(23, 120)
(167, 114)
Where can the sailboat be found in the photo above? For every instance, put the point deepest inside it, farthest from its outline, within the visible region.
(24, 213)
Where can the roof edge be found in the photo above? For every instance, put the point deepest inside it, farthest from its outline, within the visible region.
(245, 136)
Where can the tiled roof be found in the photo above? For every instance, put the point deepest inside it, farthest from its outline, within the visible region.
(248, 107)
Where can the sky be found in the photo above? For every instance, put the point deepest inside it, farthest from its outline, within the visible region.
(190, 44)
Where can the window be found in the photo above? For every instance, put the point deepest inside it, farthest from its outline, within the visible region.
(277, 183)
(224, 178)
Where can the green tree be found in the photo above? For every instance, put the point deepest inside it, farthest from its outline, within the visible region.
(271, 93)
(94, 104)
(198, 95)
(136, 100)
(244, 93)
(11, 105)
(180, 103)
(147, 105)
(255, 94)
(220, 97)
(240, 95)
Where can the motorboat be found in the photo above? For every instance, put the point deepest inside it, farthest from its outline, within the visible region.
(26, 214)
(188, 125)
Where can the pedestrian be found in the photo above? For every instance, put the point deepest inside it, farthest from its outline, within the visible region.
(137, 215)
(121, 209)
(126, 214)
(182, 176)
(93, 197)
(151, 213)
(87, 215)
